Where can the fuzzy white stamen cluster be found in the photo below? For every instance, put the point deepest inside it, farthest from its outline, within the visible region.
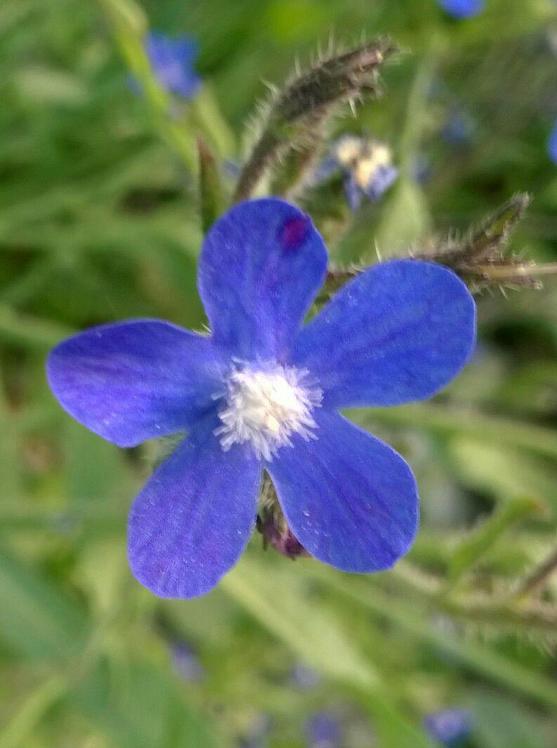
(266, 407)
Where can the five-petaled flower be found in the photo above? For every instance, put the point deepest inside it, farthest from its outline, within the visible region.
(173, 63)
(262, 392)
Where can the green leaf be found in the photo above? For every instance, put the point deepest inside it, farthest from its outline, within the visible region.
(464, 422)
(127, 14)
(94, 469)
(139, 706)
(279, 602)
(503, 723)
(29, 714)
(414, 620)
(508, 473)
(36, 618)
(404, 220)
(210, 188)
(477, 543)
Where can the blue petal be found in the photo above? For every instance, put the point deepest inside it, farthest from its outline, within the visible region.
(349, 498)
(194, 517)
(261, 266)
(463, 8)
(135, 380)
(352, 192)
(173, 61)
(399, 332)
(552, 144)
(384, 177)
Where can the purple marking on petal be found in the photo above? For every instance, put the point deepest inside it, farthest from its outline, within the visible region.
(294, 232)
(256, 294)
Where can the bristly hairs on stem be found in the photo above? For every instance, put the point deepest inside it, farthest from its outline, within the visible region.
(295, 114)
(480, 257)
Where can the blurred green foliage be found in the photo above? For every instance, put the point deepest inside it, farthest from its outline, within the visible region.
(99, 221)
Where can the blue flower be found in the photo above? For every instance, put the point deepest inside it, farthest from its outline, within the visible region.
(324, 730)
(449, 726)
(186, 662)
(462, 8)
(173, 63)
(262, 391)
(367, 167)
(304, 677)
(552, 144)
(458, 128)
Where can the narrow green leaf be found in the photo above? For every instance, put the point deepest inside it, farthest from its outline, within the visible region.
(280, 604)
(36, 618)
(20, 727)
(444, 419)
(405, 218)
(137, 705)
(414, 620)
(278, 600)
(506, 472)
(28, 331)
(127, 14)
(210, 188)
(477, 543)
(504, 723)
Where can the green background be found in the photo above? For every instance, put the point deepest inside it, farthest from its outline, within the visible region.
(99, 222)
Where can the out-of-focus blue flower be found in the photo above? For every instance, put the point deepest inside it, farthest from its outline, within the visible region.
(449, 726)
(552, 144)
(262, 392)
(186, 662)
(458, 128)
(173, 63)
(366, 164)
(304, 677)
(462, 8)
(324, 730)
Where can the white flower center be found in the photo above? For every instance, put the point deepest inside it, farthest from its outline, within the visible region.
(266, 407)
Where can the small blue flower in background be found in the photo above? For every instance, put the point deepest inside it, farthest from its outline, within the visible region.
(173, 62)
(324, 730)
(366, 164)
(552, 144)
(263, 391)
(304, 677)
(462, 8)
(459, 128)
(186, 662)
(450, 727)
